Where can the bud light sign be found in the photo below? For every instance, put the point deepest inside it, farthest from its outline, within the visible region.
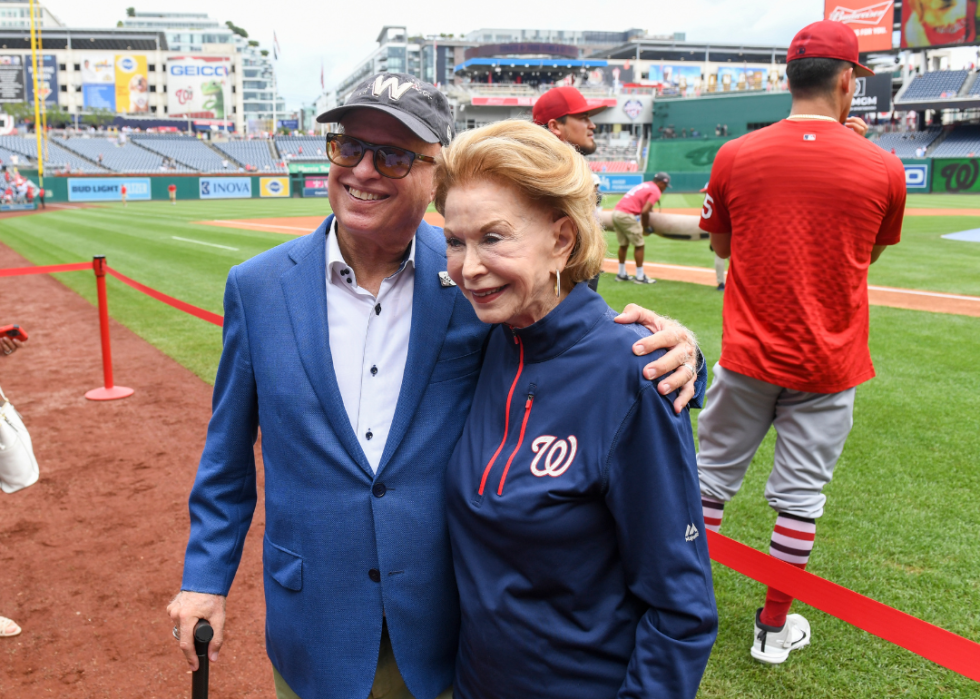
(226, 187)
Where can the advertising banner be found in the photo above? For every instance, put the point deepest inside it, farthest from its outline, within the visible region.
(738, 78)
(12, 79)
(108, 188)
(314, 168)
(872, 21)
(872, 94)
(199, 86)
(273, 186)
(619, 183)
(47, 79)
(609, 76)
(917, 176)
(928, 23)
(955, 175)
(315, 187)
(225, 187)
(132, 88)
(99, 82)
(288, 124)
(686, 79)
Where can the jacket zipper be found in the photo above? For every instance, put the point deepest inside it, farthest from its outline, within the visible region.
(520, 439)
(510, 395)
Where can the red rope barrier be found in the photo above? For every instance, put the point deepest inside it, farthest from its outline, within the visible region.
(210, 317)
(21, 271)
(942, 647)
(931, 642)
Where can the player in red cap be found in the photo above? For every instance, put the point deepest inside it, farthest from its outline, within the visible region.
(795, 319)
(566, 113)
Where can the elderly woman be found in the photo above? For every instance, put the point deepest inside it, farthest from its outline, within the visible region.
(573, 499)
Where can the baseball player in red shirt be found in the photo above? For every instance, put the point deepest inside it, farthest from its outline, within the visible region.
(122, 193)
(172, 190)
(802, 208)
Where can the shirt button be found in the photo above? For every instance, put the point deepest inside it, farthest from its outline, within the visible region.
(369, 434)
(348, 280)
(377, 310)
(379, 490)
(375, 575)
(374, 370)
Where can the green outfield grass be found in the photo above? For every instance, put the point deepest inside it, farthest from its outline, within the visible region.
(902, 520)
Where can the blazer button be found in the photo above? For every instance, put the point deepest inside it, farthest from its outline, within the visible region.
(375, 575)
(379, 490)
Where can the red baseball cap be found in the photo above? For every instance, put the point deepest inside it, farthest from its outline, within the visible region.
(828, 39)
(562, 101)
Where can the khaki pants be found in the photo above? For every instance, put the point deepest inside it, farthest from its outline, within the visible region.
(628, 229)
(388, 682)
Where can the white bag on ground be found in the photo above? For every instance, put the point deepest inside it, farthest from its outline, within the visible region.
(18, 467)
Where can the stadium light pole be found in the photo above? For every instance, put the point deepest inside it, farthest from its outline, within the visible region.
(37, 111)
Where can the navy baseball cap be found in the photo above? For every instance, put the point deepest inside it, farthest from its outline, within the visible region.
(662, 177)
(418, 105)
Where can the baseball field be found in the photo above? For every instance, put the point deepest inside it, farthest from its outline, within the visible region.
(901, 525)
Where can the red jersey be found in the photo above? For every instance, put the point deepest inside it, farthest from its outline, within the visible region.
(804, 202)
(172, 188)
(638, 197)
(122, 189)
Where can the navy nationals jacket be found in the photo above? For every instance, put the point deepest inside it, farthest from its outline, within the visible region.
(575, 519)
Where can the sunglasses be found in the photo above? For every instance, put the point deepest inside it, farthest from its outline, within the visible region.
(390, 161)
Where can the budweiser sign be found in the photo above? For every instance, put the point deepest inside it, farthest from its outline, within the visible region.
(872, 14)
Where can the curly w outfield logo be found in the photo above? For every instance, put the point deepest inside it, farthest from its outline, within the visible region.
(957, 175)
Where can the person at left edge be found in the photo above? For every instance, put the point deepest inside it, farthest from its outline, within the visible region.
(357, 356)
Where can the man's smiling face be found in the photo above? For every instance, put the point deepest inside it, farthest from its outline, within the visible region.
(365, 202)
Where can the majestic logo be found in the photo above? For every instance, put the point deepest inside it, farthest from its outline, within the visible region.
(691, 533)
(395, 88)
(554, 453)
(872, 14)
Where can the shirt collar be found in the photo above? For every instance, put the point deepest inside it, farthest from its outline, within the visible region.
(338, 269)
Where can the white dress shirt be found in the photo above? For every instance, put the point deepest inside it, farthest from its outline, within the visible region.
(369, 344)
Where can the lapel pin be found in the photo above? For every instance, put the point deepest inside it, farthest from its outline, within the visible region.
(445, 280)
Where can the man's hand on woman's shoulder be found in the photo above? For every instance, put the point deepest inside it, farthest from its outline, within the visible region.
(682, 352)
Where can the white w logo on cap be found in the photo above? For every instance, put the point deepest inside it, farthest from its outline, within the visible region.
(395, 89)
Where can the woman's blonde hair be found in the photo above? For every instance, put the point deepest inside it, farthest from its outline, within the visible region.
(537, 163)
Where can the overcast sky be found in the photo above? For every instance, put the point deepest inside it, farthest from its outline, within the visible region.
(341, 34)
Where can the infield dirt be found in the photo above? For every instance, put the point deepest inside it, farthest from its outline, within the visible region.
(91, 555)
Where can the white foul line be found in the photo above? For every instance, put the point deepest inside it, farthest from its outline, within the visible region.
(200, 242)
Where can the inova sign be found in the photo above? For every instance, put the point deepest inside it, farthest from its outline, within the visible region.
(226, 187)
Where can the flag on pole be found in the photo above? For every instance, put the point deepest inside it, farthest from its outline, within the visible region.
(275, 47)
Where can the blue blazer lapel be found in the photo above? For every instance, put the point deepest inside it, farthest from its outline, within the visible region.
(432, 307)
(305, 290)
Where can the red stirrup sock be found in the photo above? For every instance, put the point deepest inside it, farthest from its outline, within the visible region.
(792, 542)
(712, 510)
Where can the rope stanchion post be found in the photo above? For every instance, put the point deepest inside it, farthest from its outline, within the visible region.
(109, 391)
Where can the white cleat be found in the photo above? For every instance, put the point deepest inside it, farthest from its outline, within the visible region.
(772, 645)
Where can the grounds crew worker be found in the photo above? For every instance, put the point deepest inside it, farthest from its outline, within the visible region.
(630, 220)
(802, 207)
(566, 113)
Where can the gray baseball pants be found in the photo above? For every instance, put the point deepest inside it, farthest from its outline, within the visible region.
(811, 429)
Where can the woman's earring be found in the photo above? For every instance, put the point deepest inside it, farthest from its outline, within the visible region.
(558, 282)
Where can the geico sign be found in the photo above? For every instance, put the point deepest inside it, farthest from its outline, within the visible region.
(208, 71)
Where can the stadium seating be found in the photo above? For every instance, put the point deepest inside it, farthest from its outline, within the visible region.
(290, 147)
(940, 84)
(962, 142)
(7, 158)
(187, 151)
(252, 154)
(58, 158)
(125, 157)
(907, 142)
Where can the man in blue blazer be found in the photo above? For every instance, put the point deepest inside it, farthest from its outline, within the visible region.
(357, 356)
